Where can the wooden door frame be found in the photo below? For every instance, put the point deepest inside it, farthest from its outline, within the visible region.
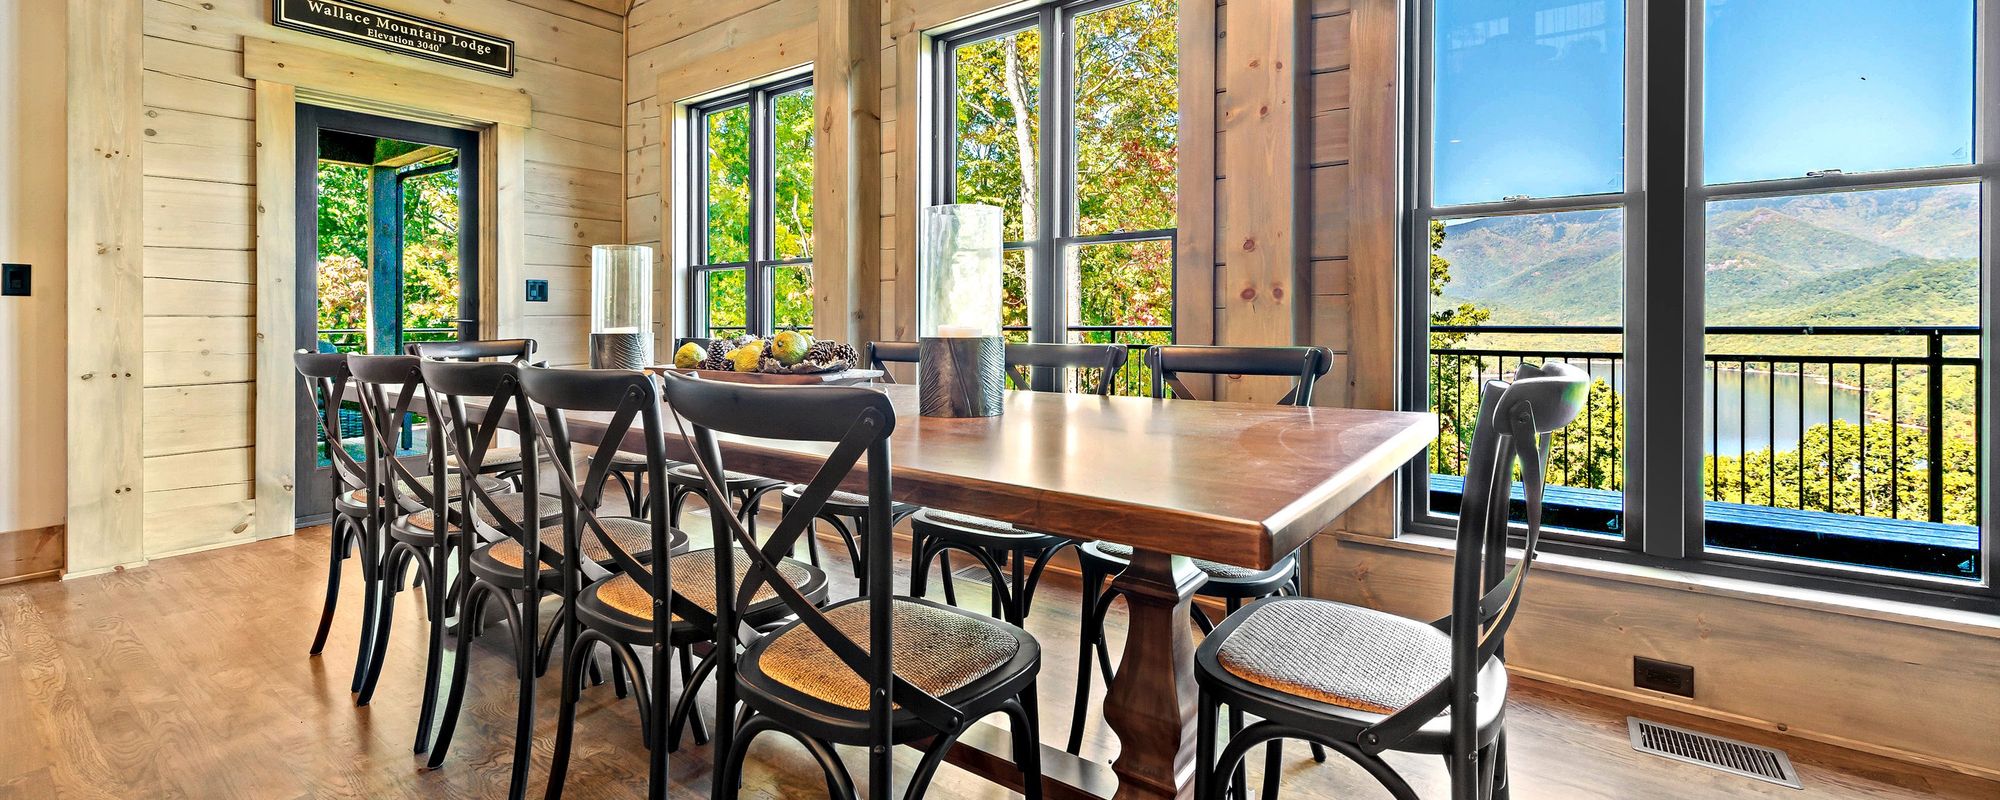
(286, 74)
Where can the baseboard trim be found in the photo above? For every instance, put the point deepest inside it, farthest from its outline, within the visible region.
(31, 552)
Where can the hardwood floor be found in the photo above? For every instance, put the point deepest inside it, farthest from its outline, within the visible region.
(190, 679)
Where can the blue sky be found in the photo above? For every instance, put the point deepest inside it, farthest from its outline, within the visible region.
(1530, 93)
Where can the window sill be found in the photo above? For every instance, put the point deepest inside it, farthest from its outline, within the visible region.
(1958, 621)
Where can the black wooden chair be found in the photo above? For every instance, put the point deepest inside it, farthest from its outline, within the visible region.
(1101, 561)
(933, 532)
(670, 607)
(1364, 682)
(871, 672)
(412, 510)
(327, 381)
(882, 354)
(510, 572)
(504, 461)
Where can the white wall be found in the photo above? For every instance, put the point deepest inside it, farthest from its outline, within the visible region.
(32, 146)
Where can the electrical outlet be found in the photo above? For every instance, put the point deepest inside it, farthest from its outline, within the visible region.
(538, 291)
(15, 280)
(1663, 676)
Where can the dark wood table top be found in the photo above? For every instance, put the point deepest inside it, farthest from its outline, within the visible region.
(1240, 484)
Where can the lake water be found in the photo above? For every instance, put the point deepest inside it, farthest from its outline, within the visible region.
(1758, 407)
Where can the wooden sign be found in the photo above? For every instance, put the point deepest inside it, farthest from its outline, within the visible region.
(396, 32)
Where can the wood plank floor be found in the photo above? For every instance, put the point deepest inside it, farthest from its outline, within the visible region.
(190, 679)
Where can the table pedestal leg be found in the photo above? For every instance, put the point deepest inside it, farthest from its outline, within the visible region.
(1151, 704)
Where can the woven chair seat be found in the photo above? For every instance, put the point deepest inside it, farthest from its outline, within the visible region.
(1212, 569)
(582, 453)
(514, 506)
(970, 521)
(694, 579)
(633, 536)
(938, 650)
(495, 457)
(1337, 654)
(838, 498)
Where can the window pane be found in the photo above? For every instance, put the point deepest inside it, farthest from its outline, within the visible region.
(1552, 273)
(792, 297)
(723, 297)
(1127, 101)
(1121, 283)
(997, 99)
(1529, 99)
(728, 185)
(792, 185)
(1015, 280)
(1855, 85)
(1832, 444)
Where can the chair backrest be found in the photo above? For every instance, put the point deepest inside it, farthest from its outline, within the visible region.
(857, 421)
(471, 435)
(622, 404)
(882, 354)
(1303, 364)
(1105, 358)
(388, 388)
(1514, 424)
(704, 342)
(327, 381)
(522, 350)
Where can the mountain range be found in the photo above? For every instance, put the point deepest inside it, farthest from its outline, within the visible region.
(1883, 257)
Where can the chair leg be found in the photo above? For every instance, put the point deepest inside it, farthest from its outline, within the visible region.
(371, 592)
(337, 554)
(729, 770)
(923, 549)
(688, 708)
(1204, 747)
(387, 579)
(1027, 742)
(1274, 765)
(1093, 580)
(437, 597)
(586, 641)
(1499, 760)
(920, 778)
(460, 666)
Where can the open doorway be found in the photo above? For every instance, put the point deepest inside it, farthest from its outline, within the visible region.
(388, 257)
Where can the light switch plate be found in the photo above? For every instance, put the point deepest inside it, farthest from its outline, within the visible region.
(538, 291)
(15, 280)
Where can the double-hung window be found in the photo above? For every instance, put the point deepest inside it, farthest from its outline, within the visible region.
(1066, 116)
(751, 211)
(1766, 228)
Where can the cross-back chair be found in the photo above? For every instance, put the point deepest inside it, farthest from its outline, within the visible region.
(936, 532)
(1233, 585)
(882, 354)
(521, 566)
(328, 382)
(667, 605)
(410, 508)
(875, 671)
(1364, 682)
(1304, 365)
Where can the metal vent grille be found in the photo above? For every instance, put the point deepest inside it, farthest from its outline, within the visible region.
(1714, 752)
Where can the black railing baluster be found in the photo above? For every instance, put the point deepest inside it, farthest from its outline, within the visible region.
(1714, 430)
(1771, 437)
(1829, 437)
(1742, 430)
(1895, 441)
(1934, 362)
(1861, 417)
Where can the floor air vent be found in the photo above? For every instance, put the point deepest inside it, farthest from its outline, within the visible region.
(1714, 752)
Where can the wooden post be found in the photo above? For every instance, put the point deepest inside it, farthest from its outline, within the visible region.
(847, 171)
(277, 408)
(1261, 203)
(385, 262)
(104, 405)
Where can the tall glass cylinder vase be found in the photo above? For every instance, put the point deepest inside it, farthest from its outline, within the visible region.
(961, 359)
(621, 306)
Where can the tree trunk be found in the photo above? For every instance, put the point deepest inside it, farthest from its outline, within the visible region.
(1024, 139)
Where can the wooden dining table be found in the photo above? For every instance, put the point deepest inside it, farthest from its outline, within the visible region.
(1175, 479)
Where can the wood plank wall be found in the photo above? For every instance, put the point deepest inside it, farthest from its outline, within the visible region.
(199, 229)
(712, 42)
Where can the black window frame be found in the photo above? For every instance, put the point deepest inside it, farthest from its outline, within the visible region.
(1665, 201)
(759, 270)
(1055, 222)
